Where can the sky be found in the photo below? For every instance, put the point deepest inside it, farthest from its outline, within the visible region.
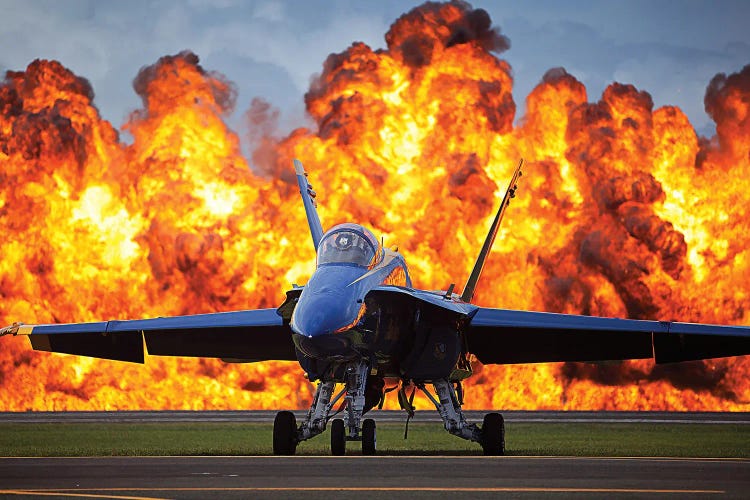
(272, 48)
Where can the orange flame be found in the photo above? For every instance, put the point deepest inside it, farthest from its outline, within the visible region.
(623, 211)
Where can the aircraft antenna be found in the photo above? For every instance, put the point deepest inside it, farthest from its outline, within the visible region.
(471, 283)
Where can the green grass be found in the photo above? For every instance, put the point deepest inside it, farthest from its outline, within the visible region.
(595, 439)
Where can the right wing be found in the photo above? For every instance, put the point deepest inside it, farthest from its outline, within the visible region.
(504, 336)
(253, 335)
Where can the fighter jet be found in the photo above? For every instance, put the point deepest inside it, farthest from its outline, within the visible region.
(358, 323)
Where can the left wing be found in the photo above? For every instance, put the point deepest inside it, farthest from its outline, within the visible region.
(505, 336)
(255, 335)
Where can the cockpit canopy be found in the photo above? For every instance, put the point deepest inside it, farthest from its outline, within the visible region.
(348, 244)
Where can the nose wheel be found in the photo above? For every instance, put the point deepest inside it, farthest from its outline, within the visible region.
(368, 437)
(338, 438)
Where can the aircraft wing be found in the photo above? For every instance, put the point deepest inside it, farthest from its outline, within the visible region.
(504, 336)
(253, 335)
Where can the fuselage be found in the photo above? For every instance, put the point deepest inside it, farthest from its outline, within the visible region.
(331, 315)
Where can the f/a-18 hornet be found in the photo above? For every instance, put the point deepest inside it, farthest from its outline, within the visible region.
(358, 321)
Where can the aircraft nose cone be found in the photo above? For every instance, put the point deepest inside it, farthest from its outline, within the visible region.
(329, 302)
(323, 314)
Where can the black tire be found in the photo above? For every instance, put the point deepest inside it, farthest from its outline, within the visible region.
(284, 433)
(369, 437)
(338, 437)
(493, 434)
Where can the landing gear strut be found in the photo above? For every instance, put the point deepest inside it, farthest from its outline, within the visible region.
(350, 428)
(492, 433)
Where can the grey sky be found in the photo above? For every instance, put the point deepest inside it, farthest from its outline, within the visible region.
(270, 48)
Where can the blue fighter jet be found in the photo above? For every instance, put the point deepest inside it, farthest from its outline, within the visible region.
(358, 321)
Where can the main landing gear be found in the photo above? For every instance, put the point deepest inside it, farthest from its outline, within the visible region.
(286, 434)
(492, 433)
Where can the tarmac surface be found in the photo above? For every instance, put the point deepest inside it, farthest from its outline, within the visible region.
(372, 477)
(312, 477)
(384, 416)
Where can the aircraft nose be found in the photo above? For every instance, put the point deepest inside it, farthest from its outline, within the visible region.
(330, 301)
(324, 314)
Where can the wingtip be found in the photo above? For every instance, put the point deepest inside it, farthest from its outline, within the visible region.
(11, 329)
(298, 168)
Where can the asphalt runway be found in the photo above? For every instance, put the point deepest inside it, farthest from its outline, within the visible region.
(372, 477)
(384, 416)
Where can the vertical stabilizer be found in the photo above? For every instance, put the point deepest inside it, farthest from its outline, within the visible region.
(471, 284)
(308, 198)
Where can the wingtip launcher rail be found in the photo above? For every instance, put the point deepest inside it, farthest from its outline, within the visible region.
(11, 330)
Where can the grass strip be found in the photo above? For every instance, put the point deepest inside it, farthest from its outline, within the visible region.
(548, 439)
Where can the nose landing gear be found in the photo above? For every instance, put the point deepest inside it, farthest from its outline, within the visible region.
(286, 435)
(369, 439)
(339, 437)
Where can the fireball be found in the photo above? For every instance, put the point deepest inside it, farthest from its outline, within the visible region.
(623, 211)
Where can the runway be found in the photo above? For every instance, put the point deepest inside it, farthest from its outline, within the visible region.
(384, 416)
(372, 477)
